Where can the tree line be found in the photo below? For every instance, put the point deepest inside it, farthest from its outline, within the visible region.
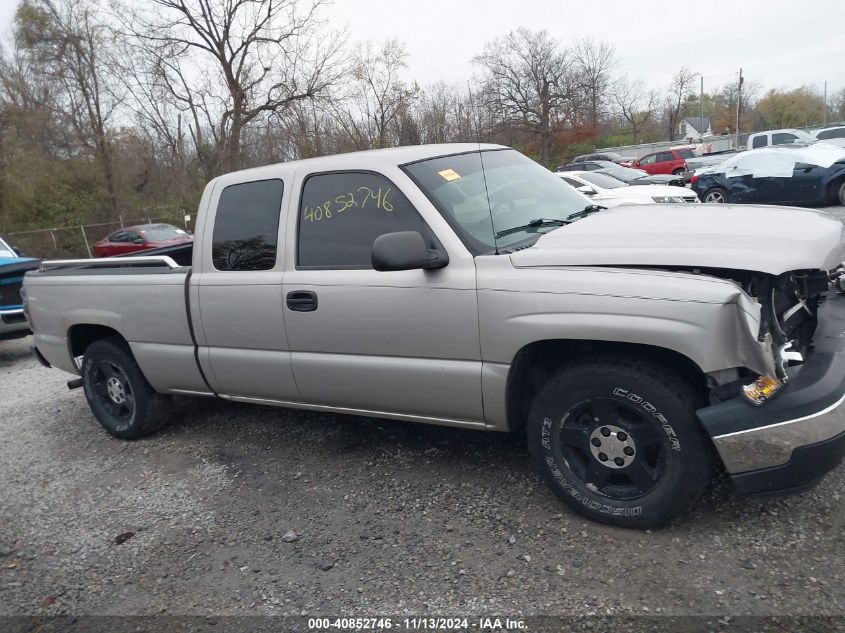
(111, 110)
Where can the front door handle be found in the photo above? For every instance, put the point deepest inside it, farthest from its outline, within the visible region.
(302, 301)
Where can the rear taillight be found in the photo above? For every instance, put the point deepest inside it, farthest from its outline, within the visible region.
(693, 180)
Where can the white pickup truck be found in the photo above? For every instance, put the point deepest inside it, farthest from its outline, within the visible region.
(778, 137)
(638, 347)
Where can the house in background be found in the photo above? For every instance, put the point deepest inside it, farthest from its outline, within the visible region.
(694, 128)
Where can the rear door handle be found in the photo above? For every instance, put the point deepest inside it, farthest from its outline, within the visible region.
(302, 301)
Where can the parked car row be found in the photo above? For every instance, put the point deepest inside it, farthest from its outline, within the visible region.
(627, 175)
(609, 192)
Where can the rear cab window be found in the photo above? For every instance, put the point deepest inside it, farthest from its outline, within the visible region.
(246, 226)
(342, 213)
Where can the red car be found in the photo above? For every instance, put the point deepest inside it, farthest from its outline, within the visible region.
(670, 161)
(140, 238)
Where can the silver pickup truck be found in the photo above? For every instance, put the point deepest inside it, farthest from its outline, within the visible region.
(639, 348)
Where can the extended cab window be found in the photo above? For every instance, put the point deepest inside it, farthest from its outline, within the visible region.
(759, 141)
(246, 226)
(341, 214)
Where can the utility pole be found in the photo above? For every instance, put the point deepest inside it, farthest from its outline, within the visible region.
(825, 102)
(738, 102)
(701, 104)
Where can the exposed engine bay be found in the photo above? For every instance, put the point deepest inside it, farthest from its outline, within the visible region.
(789, 305)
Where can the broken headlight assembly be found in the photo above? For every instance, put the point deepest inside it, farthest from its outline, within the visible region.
(789, 306)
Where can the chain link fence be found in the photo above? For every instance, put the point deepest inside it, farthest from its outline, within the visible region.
(78, 241)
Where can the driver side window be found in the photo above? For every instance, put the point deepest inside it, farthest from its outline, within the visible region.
(648, 160)
(342, 213)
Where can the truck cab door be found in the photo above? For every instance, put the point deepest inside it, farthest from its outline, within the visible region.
(404, 343)
(237, 309)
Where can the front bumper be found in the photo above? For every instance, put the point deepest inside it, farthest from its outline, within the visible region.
(792, 441)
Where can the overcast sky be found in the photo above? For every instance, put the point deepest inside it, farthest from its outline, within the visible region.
(780, 43)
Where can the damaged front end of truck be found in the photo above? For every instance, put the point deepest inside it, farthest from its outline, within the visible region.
(782, 429)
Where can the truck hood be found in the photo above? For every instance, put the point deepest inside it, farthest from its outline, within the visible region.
(757, 238)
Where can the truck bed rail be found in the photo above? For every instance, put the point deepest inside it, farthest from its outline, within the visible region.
(152, 261)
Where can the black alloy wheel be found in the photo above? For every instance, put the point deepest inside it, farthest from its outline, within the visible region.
(612, 447)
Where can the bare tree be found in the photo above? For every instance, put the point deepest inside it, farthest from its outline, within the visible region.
(524, 74)
(636, 104)
(593, 64)
(379, 94)
(269, 54)
(681, 86)
(70, 45)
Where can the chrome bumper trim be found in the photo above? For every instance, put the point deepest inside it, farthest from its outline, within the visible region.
(768, 446)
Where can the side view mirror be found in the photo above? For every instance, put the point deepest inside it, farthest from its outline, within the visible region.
(138, 240)
(17, 251)
(405, 250)
(587, 190)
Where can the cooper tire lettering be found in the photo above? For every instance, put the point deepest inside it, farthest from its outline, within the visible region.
(651, 410)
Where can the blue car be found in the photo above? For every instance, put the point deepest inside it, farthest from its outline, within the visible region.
(811, 176)
(13, 322)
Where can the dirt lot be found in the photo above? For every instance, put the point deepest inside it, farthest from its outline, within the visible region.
(389, 518)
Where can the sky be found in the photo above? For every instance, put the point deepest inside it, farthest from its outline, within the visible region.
(778, 43)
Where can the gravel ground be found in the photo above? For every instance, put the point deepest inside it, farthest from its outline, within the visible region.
(239, 509)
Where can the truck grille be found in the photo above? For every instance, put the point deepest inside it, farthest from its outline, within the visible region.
(10, 293)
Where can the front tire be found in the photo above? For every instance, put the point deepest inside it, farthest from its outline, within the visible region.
(118, 393)
(716, 196)
(618, 442)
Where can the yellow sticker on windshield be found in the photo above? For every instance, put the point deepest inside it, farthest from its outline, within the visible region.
(449, 174)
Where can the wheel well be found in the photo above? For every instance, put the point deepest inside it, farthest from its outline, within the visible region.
(833, 189)
(81, 336)
(534, 364)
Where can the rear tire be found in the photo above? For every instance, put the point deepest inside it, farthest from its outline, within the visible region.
(717, 195)
(617, 441)
(118, 393)
(838, 193)
(679, 172)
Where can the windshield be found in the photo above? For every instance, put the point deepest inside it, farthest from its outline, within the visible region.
(519, 191)
(622, 173)
(602, 180)
(162, 232)
(6, 250)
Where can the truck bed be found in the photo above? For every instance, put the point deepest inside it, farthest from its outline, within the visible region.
(143, 299)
